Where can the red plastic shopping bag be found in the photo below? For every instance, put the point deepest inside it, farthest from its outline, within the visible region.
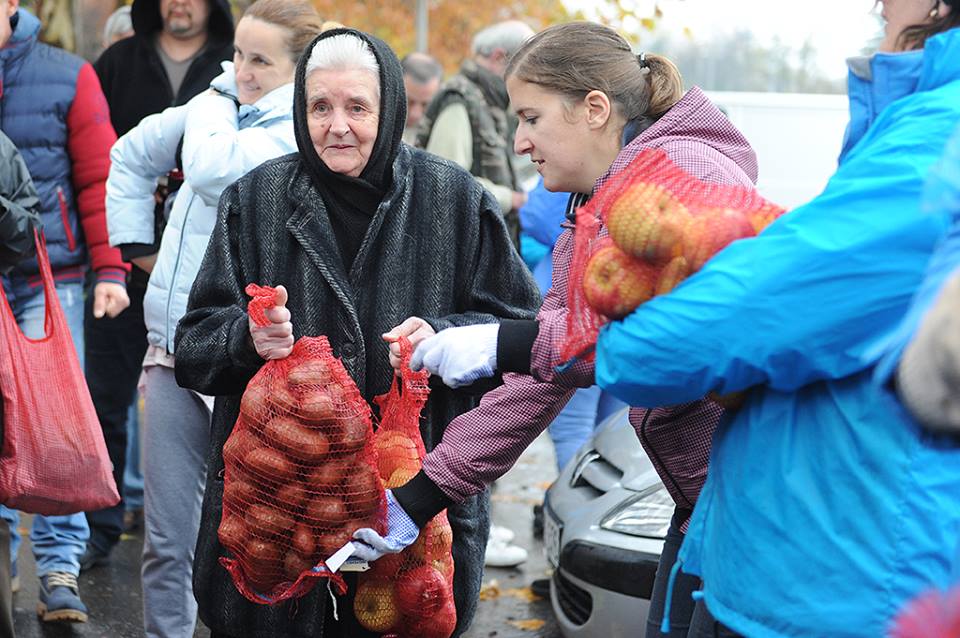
(54, 460)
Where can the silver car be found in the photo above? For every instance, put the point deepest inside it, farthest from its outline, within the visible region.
(604, 522)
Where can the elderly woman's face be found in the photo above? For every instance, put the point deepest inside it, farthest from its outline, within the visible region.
(343, 115)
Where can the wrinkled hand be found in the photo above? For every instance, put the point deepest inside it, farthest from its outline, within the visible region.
(413, 328)
(460, 355)
(109, 299)
(401, 533)
(274, 340)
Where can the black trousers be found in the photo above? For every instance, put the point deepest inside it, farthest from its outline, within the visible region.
(113, 352)
(681, 607)
(704, 625)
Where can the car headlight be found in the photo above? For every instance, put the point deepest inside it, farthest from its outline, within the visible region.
(647, 514)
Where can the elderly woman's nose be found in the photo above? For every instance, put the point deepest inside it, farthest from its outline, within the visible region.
(339, 124)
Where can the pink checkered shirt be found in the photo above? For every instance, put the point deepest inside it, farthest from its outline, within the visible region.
(480, 446)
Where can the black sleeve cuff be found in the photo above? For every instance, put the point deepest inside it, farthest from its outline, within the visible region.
(129, 252)
(421, 499)
(514, 343)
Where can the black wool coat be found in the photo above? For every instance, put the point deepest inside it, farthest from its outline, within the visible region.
(436, 248)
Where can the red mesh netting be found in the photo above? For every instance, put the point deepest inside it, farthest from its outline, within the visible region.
(300, 470)
(410, 594)
(646, 230)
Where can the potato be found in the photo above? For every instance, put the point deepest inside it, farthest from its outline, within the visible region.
(266, 521)
(232, 533)
(269, 465)
(304, 541)
(238, 492)
(262, 564)
(308, 373)
(329, 474)
(356, 431)
(327, 511)
(363, 490)
(317, 409)
(294, 564)
(298, 442)
(291, 497)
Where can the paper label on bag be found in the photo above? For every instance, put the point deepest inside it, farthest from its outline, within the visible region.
(339, 560)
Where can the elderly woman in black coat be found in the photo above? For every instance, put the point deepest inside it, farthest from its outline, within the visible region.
(361, 232)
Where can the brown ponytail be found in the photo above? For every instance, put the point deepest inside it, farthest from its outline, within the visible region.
(298, 17)
(575, 58)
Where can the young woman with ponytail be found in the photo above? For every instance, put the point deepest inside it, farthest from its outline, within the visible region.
(587, 105)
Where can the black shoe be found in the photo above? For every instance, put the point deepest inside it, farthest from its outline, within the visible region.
(541, 587)
(93, 557)
(538, 521)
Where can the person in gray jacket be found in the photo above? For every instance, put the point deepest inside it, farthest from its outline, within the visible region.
(19, 217)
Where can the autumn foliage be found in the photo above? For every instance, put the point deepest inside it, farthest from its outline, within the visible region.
(452, 24)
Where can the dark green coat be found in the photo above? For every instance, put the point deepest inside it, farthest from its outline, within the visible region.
(437, 248)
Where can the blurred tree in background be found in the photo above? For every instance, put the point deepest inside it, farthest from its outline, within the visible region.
(452, 22)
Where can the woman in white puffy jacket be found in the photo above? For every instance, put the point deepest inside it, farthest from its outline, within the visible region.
(245, 119)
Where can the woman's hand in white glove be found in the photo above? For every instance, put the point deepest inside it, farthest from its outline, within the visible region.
(460, 356)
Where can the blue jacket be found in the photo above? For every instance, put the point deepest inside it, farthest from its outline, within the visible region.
(55, 113)
(826, 506)
(941, 193)
(220, 145)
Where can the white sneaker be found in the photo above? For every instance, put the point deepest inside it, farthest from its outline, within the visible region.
(501, 534)
(503, 554)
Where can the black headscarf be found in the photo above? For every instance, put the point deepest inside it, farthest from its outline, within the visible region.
(352, 201)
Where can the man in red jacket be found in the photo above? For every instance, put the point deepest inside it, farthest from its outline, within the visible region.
(52, 107)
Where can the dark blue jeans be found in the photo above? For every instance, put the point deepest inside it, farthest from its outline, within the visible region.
(681, 605)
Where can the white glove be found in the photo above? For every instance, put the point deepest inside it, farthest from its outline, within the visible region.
(401, 533)
(461, 355)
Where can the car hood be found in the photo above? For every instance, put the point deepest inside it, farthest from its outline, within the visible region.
(616, 442)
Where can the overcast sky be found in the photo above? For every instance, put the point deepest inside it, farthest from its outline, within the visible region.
(836, 28)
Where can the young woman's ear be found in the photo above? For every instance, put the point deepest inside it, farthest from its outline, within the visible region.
(597, 109)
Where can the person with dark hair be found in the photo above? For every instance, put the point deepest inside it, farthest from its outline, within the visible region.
(174, 53)
(587, 105)
(421, 79)
(19, 217)
(468, 120)
(357, 231)
(54, 112)
(827, 507)
(243, 120)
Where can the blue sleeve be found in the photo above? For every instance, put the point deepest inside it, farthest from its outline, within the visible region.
(941, 196)
(806, 299)
(542, 214)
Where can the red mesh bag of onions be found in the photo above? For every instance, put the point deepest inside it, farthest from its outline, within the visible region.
(300, 471)
(409, 594)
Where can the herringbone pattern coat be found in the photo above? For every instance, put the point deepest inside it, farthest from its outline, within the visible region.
(437, 248)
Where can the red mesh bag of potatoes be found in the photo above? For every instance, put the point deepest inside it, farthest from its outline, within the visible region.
(300, 471)
(410, 594)
(647, 229)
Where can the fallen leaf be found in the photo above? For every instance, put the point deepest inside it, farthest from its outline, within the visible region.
(523, 593)
(490, 590)
(528, 625)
